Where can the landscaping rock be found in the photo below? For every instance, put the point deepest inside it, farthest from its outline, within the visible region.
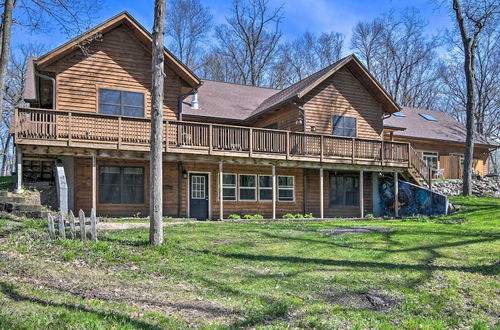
(481, 187)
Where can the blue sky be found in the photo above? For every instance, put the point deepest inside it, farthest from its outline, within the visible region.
(300, 16)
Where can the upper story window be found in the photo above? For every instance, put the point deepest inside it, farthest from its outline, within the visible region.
(344, 126)
(121, 103)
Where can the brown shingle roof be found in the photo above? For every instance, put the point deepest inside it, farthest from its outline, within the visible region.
(444, 129)
(29, 93)
(227, 100)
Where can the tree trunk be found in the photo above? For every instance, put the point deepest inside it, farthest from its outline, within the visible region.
(156, 175)
(4, 155)
(469, 67)
(5, 47)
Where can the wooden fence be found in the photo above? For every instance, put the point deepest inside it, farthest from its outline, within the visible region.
(62, 225)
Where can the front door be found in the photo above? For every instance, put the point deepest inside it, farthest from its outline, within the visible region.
(198, 196)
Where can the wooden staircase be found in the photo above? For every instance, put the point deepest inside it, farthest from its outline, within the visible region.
(418, 171)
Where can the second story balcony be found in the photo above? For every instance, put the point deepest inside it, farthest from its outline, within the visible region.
(97, 131)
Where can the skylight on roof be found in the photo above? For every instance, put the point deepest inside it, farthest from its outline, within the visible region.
(428, 117)
(399, 114)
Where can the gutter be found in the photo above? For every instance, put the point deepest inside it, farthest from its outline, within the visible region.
(53, 88)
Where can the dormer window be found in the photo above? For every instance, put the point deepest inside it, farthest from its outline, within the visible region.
(121, 103)
(399, 114)
(344, 126)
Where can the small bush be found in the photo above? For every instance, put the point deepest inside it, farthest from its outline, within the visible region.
(299, 216)
(416, 218)
(253, 216)
(369, 216)
(308, 216)
(288, 216)
(234, 217)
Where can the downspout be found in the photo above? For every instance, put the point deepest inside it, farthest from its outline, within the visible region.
(181, 182)
(303, 112)
(53, 88)
(182, 97)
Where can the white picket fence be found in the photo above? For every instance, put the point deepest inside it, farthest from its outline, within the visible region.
(61, 225)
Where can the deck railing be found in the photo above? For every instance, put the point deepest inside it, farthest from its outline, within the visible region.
(131, 133)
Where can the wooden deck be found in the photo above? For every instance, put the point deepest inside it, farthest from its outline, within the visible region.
(98, 131)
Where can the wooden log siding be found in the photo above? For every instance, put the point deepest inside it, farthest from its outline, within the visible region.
(131, 133)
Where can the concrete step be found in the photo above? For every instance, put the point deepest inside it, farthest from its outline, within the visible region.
(30, 214)
(10, 207)
(4, 193)
(12, 199)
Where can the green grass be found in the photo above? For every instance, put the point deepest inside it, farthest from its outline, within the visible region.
(7, 182)
(439, 273)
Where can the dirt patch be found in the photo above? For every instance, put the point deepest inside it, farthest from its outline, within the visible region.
(371, 300)
(147, 294)
(341, 231)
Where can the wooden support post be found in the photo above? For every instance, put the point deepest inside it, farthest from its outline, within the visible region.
(94, 181)
(19, 170)
(250, 142)
(83, 231)
(353, 149)
(430, 178)
(287, 145)
(321, 194)
(210, 139)
(382, 151)
(119, 132)
(396, 195)
(69, 128)
(93, 225)
(274, 191)
(361, 189)
(72, 229)
(166, 136)
(52, 230)
(60, 223)
(409, 150)
(221, 191)
(321, 147)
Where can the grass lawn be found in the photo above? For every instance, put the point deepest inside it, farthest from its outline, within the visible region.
(428, 274)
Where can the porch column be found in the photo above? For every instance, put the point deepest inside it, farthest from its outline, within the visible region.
(94, 182)
(396, 195)
(221, 191)
(19, 170)
(321, 195)
(361, 189)
(274, 192)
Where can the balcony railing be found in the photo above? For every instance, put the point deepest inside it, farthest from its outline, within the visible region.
(76, 128)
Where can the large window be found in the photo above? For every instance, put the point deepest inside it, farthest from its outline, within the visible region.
(265, 187)
(285, 188)
(229, 187)
(121, 103)
(121, 185)
(431, 159)
(344, 126)
(248, 187)
(344, 190)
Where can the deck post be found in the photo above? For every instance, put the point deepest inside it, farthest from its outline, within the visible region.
(321, 194)
(274, 191)
(119, 132)
(361, 189)
(94, 181)
(382, 153)
(353, 149)
(250, 142)
(396, 195)
(19, 170)
(221, 191)
(210, 138)
(287, 145)
(321, 147)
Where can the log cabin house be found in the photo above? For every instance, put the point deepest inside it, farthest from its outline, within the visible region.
(315, 147)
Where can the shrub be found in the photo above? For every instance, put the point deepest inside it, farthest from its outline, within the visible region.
(299, 216)
(258, 216)
(308, 216)
(288, 216)
(234, 217)
(369, 216)
(253, 216)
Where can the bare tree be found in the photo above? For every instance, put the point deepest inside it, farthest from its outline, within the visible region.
(156, 153)
(397, 52)
(249, 39)
(471, 18)
(189, 24)
(299, 58)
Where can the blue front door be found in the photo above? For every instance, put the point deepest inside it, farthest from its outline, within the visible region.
(198, 196)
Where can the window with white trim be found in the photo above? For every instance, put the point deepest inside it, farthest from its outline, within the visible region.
(248, 187)
(229, 187)
(431, 159)
(265, 188)
(286, 188)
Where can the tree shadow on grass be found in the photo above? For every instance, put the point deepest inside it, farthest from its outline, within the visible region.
(9, 290)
